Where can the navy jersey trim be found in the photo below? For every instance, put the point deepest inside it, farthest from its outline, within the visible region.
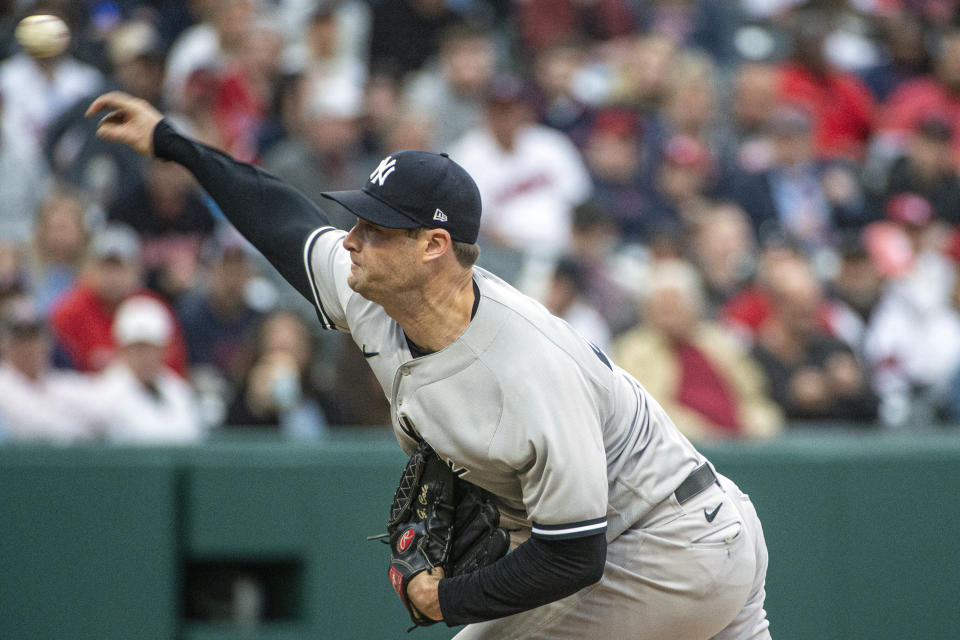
(570, 529)
(325, 320)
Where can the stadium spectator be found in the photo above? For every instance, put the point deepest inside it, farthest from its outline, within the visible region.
(904, 54)
(704, 378)
(754, 96)
(912, 341)
(146, 402)
(285, 116)
(812, 375)
(245, 90)
(404, 34)
(24, 180)
(683, 184)
(82, 318)
(785, 129)
(641, 68)
(408, 129)
(325, 33)
(566, 297)
(331, 49)
(197, 111)
(697, 25)
(349, 392)
(328, 45)
(39, 403)
(841, 105)
(172, 219)
(329, 155)
(768, 10)
(137, 59)
(108, 172)
(216, 317)
(934, 95)
(800, 197)
(530, 177)
(619, 167)
(927, 169)
(559, 100)
(56, 253)
(165, 205)
(209, 44)
(383, 108)
(611, 269)
(952, 251)
(746, 311)
(276, 389)
(546, 22)
(451, 91)
(854, 289)
(723, 250)
(691, 106)
(14, 278)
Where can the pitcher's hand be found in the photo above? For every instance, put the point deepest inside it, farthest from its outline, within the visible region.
(129, 120)
(423, 591)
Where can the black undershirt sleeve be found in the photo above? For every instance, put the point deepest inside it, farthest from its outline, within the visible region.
(535, 573)
(272, 215)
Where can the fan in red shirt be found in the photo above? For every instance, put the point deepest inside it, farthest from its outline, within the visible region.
(933, 96)
(82, 319)
(242, 98)
(841, 104)
(746, 312)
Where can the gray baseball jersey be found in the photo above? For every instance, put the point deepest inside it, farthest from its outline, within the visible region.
(520, 405)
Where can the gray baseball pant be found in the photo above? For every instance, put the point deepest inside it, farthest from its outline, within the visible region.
(672, 576)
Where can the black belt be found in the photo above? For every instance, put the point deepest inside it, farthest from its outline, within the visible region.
(701, 478)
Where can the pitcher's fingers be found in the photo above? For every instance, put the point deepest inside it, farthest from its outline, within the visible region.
(110, 100)
(117, 116)
(101, 103)
(107, 131)
(114, 131)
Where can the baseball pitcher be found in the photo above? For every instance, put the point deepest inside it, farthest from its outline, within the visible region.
(619, 528)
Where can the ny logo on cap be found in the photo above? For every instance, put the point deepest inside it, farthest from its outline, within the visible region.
(387, 166)
(439, 216)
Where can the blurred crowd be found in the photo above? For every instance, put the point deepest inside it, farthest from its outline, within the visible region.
(753, 206)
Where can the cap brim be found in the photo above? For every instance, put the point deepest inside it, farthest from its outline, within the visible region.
(365, 206)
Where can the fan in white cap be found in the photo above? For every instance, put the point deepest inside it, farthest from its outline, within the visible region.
(141, 319)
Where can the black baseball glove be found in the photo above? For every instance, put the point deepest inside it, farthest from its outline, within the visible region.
(439, 520)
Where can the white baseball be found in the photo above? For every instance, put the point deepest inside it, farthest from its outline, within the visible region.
(43, 36)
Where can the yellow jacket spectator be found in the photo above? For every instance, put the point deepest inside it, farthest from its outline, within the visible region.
(703, 378)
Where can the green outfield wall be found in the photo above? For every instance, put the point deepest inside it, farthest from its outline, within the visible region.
(252, 539)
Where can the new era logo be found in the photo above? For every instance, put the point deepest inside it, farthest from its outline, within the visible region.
(439, 216)
(387, 166)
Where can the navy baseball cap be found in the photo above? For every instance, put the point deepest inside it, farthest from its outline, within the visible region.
(411, 189)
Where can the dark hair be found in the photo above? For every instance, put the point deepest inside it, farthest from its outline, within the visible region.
(570, 269)
(935, 127)
(466, 253)
(590, 214)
